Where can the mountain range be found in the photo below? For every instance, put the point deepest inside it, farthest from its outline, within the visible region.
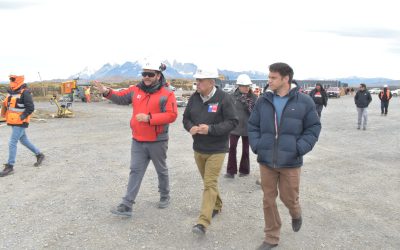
(178, 70)
(175, 70)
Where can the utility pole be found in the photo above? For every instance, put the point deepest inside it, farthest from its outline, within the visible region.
(41, 82)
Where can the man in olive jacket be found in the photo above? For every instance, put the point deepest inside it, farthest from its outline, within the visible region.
(283, 126)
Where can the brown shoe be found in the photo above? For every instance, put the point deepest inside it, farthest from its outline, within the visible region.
(8, 170)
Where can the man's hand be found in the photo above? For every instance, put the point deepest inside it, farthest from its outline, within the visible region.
(142, 117)
(203, 129)
(100, 87)
(194, 130)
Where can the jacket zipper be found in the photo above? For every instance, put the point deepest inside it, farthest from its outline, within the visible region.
(275, 153)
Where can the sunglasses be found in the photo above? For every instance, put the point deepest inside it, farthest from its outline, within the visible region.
(12, 79)
(149, 74)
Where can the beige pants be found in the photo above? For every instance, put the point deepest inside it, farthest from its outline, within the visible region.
(210, 167)
(287, 181)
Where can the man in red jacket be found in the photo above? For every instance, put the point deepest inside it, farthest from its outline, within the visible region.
(154, 107)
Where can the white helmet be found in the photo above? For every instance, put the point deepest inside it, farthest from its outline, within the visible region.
(385, 86)
(153, 65)
(206, 73)
(243, 80)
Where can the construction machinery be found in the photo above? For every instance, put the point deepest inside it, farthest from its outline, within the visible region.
(64, 107)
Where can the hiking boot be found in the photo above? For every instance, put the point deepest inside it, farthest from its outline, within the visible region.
(266, 246)
(164, 202)
(243, 175)
(39, 159)
(215, 212)
(296, 224)
(122, 210)
(8, 170)
(199, 229)
(229, 176)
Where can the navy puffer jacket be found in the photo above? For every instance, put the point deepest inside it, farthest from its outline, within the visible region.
(285, 144)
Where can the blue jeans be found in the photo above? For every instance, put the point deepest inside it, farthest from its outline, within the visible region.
(18, 134)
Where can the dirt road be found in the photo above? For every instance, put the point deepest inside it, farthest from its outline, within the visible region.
(350, 188)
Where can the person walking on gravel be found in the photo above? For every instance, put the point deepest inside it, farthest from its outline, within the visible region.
(320, 98)
(385, 95)
(209, 117)
(244, 100)
(17, 108)
(154, 108)
(362, 99)
(283, 126)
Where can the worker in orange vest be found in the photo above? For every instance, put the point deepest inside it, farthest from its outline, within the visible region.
(385, 95)
(17, 109)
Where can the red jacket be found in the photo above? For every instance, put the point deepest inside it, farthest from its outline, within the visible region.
(160, 105)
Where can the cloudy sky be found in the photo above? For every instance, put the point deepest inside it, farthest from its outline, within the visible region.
(319, 39)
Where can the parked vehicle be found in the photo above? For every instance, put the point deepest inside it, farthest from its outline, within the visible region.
(395, 92)
(308, 90)
(228, 88)
(374, 91)
(333, 92)
(181, 101)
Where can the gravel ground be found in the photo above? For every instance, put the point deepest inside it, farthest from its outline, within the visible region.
(350, 190)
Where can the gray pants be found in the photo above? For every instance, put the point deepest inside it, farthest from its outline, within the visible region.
(362, 115)
(141, 154)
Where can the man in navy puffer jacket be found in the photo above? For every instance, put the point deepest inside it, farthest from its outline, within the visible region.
(283, 126)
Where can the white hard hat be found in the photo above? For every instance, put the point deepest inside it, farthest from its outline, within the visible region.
(153, 65)
(385, 86)
(206, 73)
(243, 80)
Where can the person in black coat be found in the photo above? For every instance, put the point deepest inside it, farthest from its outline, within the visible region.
(244, 100)
(362, 99)
(320, 98)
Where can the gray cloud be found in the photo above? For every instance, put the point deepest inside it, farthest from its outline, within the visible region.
(14, 5)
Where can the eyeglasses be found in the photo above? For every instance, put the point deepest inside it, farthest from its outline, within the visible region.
(149, 74)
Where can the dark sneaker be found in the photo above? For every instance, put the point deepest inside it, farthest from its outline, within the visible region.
(364, 128)
(296, 224)
(358, 127)
(8, 170)
(199, 229)
(266, 246)
(258, 182)
(164, 202)
(39, 159)
(243, 175)
(122, 210)
(215, 212)
(229, 176)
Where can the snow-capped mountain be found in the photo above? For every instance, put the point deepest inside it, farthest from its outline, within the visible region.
(132, 70)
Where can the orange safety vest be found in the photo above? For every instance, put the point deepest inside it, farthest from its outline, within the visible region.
(13, 109)
(387, 94)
